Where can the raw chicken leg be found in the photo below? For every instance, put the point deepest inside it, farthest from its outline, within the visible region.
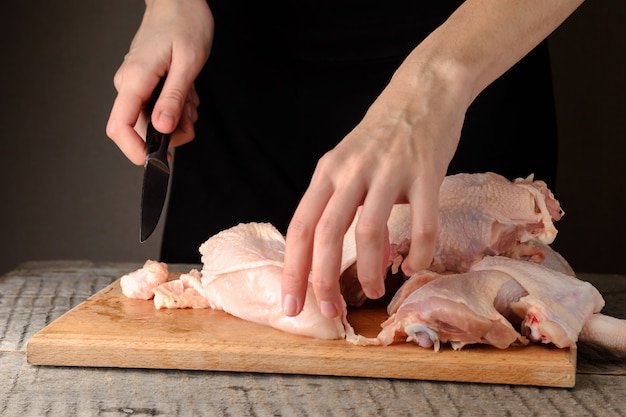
(566, 309)
(458, 308)
(553, 260)
(606, 332)
(547, 305)
(417, 281)
(557, 305)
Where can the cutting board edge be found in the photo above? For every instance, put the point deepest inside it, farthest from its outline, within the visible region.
(61, 352)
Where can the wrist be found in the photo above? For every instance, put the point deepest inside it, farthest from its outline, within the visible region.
(433, 83)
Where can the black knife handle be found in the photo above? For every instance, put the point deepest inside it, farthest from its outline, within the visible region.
(155, 140)
(156, 143)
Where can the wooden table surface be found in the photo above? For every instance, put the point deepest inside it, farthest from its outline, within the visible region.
(36, 293)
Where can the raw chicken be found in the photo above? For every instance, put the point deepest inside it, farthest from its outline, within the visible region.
(140, 284)
(470, 295)
(486, 214)
(553, 260)
(606, 332)
(184, 292)
(548, 306)
(411, 285)
(480, 215)
(557, 305)
(458, 308)
(241, 274)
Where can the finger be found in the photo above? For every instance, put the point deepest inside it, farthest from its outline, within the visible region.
(299, 248)
(372, 242)
(134, 85)
(424, 205)
(184, 133)
(168, 108)
(193, 96)
(193, 101)
(327, 248)
(120, 127)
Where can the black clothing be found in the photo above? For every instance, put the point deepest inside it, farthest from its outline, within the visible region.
(285, 82)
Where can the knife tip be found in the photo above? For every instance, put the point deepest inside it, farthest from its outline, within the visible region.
(144, 235)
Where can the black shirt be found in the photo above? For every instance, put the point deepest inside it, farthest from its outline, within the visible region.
(286, 81)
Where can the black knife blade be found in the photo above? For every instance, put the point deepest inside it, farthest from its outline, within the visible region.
(156, 173)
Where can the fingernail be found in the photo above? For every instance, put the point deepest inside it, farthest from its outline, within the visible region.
(408, 272)
(166, 120)
(373, 294)
(328, 309)
(290, 305)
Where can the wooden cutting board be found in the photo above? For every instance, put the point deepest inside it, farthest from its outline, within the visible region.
(110, 330)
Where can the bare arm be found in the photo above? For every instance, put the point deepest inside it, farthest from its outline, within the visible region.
(401, 149)
(484, 38)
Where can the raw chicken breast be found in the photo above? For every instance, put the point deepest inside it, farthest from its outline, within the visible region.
(557, 305)
(457, 308)
(140, 284)
(241, 274)
(242, 247)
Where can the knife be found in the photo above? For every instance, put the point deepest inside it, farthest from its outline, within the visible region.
(156, 172)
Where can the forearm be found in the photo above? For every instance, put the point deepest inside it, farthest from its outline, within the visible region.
(481, 40)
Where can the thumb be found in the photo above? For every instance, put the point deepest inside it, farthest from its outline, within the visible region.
(169, 105)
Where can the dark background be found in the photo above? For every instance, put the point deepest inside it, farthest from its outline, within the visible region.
(69, 193)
